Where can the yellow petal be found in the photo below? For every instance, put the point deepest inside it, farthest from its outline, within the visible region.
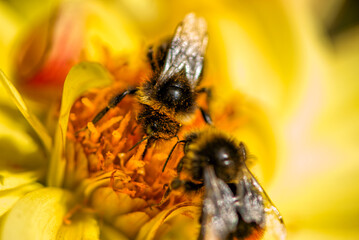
(247, 50)
(31, 118)
(325, 234)
(109, 28)
(9, 197)
(18, 146)
(34, 10)
(248, 122)
(116, 203)
(178, 228)
(10, 26)
(82, 226)
(12, 179)
(155, 228)
(110, 233)
(37, 215)
(103, 179)
(81, 78)
(131, 223)
(315, 187)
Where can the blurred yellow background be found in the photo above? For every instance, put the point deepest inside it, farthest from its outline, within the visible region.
(297, 60)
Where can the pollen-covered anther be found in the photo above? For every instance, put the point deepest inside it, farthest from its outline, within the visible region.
(94, 133)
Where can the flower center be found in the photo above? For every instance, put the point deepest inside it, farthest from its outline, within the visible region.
(103, 169)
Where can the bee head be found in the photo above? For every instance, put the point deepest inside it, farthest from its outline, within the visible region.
(157, 125)
(217, 150)
(153, 128)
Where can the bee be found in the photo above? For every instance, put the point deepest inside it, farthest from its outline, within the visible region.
(235, 206)
(168, 98)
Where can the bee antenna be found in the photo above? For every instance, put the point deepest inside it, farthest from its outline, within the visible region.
(139, 142)
(147, 144)
(170, 154)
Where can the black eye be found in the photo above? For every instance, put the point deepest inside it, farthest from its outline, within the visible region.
(152, 128)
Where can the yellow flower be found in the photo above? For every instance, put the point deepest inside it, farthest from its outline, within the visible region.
(296, 112)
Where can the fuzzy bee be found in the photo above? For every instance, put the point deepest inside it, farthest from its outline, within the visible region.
(235, 206)
(168, 98)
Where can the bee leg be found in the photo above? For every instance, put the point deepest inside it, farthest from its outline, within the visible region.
(170, 154)
(188, 186)
(175, 184)
(146, 147)
(206, 117)
(165, 195)
(138, 143)
(205, 114)
(191, 186)
(179, 166)
(112, 103)
(201, 233)
(208, 92)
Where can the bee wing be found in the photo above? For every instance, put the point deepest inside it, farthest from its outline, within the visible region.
(187, 49)
(254, 205)
(219, 217)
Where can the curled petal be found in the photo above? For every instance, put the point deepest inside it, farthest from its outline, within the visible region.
(131, 223)
(11, 179)
(82, 226)
(39, 213)
(116, 203)
(47, 52)
(9, 197)
(31, 118)
(10, 26)
(18, 146)
(81, 78)
(109, 233)
(158, 226)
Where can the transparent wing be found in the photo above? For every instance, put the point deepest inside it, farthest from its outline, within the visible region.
(249, 200)
(187, 49)
(254, 205)
(219, 217)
